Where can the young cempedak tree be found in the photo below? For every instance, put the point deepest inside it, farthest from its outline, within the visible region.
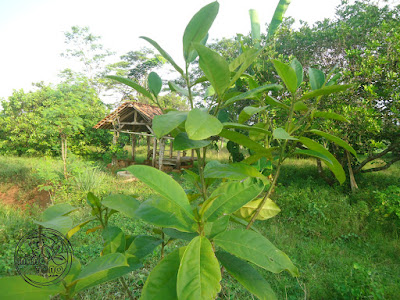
(194, 271)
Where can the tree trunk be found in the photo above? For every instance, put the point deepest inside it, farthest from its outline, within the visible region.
(322, 174)
(64, 154)
(353, 183)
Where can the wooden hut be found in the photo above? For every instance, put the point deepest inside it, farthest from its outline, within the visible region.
(136, 119)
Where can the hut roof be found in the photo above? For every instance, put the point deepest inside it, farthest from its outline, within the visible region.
(125, 114)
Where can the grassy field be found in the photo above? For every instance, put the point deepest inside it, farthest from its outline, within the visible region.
(345, 245)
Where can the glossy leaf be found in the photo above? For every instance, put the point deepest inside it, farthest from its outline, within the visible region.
(200, 125)
(281, 134)
(114, 240)
(326, 90)
(103, 269)
(132, 84)
(259, 129)
(300, 106)
(176, 88)
(252, 93)
(166, 213)
(243, 140)
(125, 204)
(182, 142)
(162, 184)
(92, 200)
(334, 165)
(287, 74)
(163, 53)
(176, 234)
(57, 210)
(244, 60)
(298, 68)
(164, 124)
(334, 139)
(274, 102)
(313, 154)
(248, 112)
(214, 67)
(143, 245)
(62, 224)
(198, 27)
(317, 78)
(277, 17)
(161, 283)
(234, 171)
(14, 287)
(255, 26)
(155, 83)
(199, 274)
(231, 196)
(255, 248)
(246, 275)
(269, 210)
(329, 115)
(213, 228)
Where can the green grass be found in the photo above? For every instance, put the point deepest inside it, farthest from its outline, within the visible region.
(342, 246)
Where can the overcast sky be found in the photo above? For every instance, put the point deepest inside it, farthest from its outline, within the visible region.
(32, 31)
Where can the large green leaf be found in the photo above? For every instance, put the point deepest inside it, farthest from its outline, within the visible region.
(125, 204)
(274, 102)
(57, 210)
(246, 275)
(176, 88)
(161, 283)
(231, 196)
(258, 129)
(143, 245)
(164, 124)
(277, 17)
(155, 83)
(313, 154)
(176, 234)
(114, 240)
(162, 184)
(317, 78)
(329, 115)
(213, 228)
(214, 67)
(235, 171)
(243, 140)
(334, 165)
(248, 112)
(15, 287)
(334, 139)
(77, 227)
(166, 213)
(281, 134)
(255, 248)
(298, 68)
(244, 60)
(163, 53)
(199, 274)
(252, 93)
(287, 74)
(62, 224)
(132, 84)
(103, 269)
(255, 26)
(182, 142)
(326, 90)
(201, 125)
(198, 28)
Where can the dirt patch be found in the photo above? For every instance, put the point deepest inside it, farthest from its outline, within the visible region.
(17, 198)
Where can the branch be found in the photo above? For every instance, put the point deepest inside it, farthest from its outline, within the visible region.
(373, 157)
(383, 167)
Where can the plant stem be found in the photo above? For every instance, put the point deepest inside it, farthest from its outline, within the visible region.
(126, 288)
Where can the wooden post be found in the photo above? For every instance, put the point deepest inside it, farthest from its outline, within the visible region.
(153, 162)
(192, 155)
(133, 137)
(171, 145)
(178, 160)
(148, 147)
(161, 154)
(115, 140)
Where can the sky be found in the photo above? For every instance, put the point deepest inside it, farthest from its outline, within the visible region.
(32, 31)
